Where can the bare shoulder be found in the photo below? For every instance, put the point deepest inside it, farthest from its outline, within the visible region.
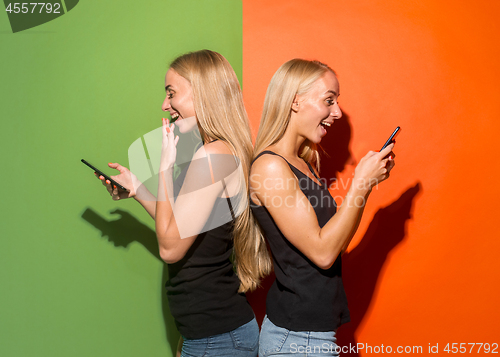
(217, 147)
(219, 158)
(270, 166)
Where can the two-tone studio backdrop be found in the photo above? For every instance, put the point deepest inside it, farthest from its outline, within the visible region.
(80, 274)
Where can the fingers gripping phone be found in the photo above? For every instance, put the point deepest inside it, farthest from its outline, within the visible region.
(105, 176)
(391, 138)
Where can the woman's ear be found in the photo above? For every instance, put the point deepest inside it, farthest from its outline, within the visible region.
(295, 104)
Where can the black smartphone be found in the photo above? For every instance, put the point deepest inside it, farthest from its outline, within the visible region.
(391, 138)
(105, 176)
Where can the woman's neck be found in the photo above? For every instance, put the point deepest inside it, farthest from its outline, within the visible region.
(290, 144)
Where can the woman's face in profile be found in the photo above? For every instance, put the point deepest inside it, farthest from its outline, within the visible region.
(179, 101)
(318, 109)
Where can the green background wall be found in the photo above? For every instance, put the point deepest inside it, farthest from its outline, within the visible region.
(86, 85)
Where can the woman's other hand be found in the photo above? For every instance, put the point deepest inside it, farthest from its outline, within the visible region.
(168, 147)
(374, 168)
(125, 178)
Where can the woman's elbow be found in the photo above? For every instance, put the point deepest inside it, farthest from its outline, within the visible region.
(171, 250)
(169, 256)
(325, 262)
(324, 265)
(166, 254)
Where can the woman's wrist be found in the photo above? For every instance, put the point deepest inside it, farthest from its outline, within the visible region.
(140, 191)
(143, 194)
(166, 168)
(361, 187)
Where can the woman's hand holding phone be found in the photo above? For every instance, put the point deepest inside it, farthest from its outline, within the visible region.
(374, 168)
(126, 178)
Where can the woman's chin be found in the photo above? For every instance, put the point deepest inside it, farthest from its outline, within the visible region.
(316, 139)
(320, 136)
(186, 125)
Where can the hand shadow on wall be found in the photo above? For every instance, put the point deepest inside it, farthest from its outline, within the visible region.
(125, 230)
(334, 159)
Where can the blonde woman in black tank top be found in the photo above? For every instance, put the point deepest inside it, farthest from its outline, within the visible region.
(205, 295)
(306, 232)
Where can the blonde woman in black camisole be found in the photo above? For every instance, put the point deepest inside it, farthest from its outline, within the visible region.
(205, 295)
(306, 232)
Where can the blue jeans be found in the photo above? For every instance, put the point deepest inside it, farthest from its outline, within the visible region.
(241, 342)
(278, 341)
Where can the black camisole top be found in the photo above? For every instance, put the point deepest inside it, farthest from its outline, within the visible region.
(303, 297)
(202, 288)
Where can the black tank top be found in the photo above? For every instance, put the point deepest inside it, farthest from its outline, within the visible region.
(203, 288)
(303, 297)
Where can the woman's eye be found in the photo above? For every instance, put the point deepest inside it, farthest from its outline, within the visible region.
(330, 101)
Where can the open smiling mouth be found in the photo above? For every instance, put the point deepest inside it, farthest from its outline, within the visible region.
(325, 125)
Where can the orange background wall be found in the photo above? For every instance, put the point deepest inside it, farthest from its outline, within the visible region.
(424, 265)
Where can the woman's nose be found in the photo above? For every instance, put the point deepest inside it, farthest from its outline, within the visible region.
(336, 112)
(166, 104)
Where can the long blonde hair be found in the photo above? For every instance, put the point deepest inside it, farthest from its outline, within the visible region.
(218, 104)
(295, 77)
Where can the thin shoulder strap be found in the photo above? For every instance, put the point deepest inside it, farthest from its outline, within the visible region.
(313, 172)
(272, 153)
(293, 167)
(228, 200)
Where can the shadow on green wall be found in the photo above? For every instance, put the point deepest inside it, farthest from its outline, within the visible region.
(125, 230)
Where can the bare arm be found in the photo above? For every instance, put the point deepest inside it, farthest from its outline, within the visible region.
(179, 223)
(346, 245)
(277, 188)
(147, 200)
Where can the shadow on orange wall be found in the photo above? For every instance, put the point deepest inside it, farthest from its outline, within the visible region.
(361, 267)
(336, 154)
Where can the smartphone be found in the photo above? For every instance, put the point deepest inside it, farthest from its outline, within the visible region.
(391, 138)
(105, 176)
